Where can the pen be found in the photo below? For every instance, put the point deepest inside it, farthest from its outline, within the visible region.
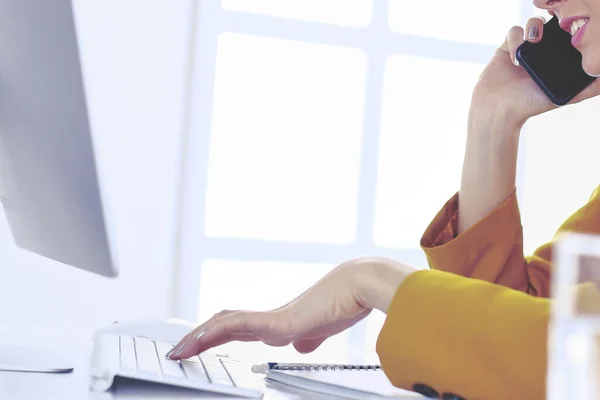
(263, 368)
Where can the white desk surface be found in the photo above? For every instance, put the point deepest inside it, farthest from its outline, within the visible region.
(76, 346)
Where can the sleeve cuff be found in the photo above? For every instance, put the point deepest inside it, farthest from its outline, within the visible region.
(448, 251)
(465, 336)
(444, 226)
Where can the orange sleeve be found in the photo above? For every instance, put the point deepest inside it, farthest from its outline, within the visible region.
(492, 249)
(467, 337)
(479, 338)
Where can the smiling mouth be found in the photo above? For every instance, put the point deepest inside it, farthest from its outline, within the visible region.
(577, 25)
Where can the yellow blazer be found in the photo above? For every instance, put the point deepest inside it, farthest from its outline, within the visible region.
(483, 338)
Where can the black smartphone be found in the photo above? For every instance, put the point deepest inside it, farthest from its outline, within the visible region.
(554, 64)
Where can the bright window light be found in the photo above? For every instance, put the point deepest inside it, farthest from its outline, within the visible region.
(351, 13)
(423, 132)
(468, 21)
(285, 144)
(288, 113)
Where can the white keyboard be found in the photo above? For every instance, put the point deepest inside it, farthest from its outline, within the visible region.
(144, 359)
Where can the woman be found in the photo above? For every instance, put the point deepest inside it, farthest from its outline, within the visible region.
(482, 338)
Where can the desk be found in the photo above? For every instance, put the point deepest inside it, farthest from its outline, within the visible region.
(76, 346)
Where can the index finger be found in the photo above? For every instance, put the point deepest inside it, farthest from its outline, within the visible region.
(240, 325)
(195, 332)
(534, 30)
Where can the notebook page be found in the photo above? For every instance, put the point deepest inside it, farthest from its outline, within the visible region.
(360, 382)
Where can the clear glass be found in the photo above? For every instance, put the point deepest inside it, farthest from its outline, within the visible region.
(420, 158)
(285, 143)
(350, 13)
(574, 345)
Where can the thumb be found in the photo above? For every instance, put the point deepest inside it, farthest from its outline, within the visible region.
(305, 346)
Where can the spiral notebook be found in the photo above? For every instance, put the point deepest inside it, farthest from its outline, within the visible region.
(355, 382)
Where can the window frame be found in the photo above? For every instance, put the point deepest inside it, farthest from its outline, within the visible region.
(192, 246)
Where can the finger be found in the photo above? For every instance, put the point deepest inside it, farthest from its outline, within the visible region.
(172, 354)
(306, 346)
(255, 325)
(198, 331)
(232, 337)
(176, 348)
(514, 39)
(207, 342)
(534, 29)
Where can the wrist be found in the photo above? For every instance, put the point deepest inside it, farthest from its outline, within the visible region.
(498, 122)
(378, 280)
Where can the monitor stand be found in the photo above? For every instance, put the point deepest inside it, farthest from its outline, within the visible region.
(31, 359)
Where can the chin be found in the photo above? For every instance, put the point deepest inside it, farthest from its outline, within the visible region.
(591, 63)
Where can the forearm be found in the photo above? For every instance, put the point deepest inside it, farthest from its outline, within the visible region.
(489, 168)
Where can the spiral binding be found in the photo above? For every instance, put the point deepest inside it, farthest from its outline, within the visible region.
(326, 367)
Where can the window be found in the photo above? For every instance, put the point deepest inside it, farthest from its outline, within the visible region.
(471, 22)
(352, 13)
(311, 142)
(413, 141)
(298, 107)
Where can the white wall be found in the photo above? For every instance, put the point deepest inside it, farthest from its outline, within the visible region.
(562, 168)
(134, 55)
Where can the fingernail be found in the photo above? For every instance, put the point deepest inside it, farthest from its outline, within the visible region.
(174, 350)
(169, 353)
(516, 61)
(199, 334)
(533, 33)
(181, 346)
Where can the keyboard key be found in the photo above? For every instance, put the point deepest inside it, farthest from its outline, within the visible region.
(192, 361)
(195, 371)
(241, 375)
(128, 362)
(216, 372)
(223, 381)
(163, 348)
(209, 358)
(147, 359)
(171, 368)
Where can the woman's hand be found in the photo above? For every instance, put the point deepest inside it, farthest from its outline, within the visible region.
(338, 301)
(507, 88)
(504, 98)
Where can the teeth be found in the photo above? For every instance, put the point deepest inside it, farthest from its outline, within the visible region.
(576, 25)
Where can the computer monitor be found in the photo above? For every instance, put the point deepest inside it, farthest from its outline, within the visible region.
(49, 185)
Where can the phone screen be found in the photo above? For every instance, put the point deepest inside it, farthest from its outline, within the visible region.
(554, 64)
